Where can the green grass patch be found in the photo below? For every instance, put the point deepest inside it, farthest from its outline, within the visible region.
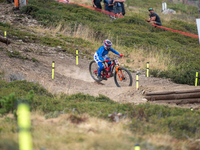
(15, 54)
(67, 43)
(157, 5)
(129, 32)
(146, 118)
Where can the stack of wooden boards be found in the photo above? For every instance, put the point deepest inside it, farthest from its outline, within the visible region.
(178, 97)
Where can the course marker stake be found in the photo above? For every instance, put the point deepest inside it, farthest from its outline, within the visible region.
(137, 147)
(137, 81)
(147, 69)
(191, 108)
(196, 80)
(5, 34)
(24, 123)
(53, 68)
(76, 56)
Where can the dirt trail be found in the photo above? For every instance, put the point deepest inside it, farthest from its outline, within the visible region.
(70, 78)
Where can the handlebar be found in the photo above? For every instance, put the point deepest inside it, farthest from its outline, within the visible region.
(113, 59)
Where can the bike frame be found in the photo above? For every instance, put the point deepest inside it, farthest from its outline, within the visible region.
(107, 69)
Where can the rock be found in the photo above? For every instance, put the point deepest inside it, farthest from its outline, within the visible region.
(169, 11)
(115, 116)
(59, 47)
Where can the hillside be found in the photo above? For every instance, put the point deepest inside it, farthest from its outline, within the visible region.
(176, 55)
(49, 31)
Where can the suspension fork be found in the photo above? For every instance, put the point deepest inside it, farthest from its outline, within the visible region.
(117, 70)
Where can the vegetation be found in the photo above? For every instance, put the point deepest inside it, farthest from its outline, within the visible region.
(131, 31)
(178, 6)
(146, 118)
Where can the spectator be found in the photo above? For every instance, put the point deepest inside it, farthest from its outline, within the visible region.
(108, 5)
(154, 18)
(97, 4)
(123, 9)
(118, 7)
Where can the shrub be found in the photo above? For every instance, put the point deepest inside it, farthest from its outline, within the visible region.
(128, 60)
(77, 119)
(9, 103)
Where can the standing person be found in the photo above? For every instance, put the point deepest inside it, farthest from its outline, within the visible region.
(108, 5)
(154, 18)
(118, 7)
(97, 4)
(123, 8)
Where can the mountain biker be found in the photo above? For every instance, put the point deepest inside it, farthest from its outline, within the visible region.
(101, 55)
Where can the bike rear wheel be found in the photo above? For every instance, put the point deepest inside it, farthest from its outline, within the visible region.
(125, 75)
(93, 69)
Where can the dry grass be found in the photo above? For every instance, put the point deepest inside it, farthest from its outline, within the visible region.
(157, 59)
(93, 133)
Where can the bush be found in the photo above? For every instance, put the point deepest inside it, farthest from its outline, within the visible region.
(180, 123)
(146, 118)
(128, 60)
(9, 103)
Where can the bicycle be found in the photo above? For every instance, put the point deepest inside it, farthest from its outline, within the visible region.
(122, 76)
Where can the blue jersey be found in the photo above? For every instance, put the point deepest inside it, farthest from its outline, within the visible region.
(102, 52)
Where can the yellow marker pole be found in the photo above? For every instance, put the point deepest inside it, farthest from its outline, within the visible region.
(137, 147)
(53, 68)
(76, 56)
(137, 81)
(5, 34)
(196, 80)
(191, 108)
(24, 123)
(147, 69)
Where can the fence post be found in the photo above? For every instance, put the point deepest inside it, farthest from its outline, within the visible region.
(196, 79)
(76, 56)
(137, 81)
(5, 34)
(147, 69)
(137, 147)
(191, 108)
(24, 123)
(53, 68)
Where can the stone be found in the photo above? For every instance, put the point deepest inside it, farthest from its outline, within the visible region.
(169, 11)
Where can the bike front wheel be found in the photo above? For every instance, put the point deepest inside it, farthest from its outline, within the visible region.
(123, 77)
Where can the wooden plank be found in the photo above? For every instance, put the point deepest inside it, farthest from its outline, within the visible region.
(168, 101)
(172, 92)
(188, 101)
(173, 96)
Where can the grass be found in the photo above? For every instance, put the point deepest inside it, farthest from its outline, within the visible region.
(174, 128)
(146, 119)
(177, 53)
(92, 134)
